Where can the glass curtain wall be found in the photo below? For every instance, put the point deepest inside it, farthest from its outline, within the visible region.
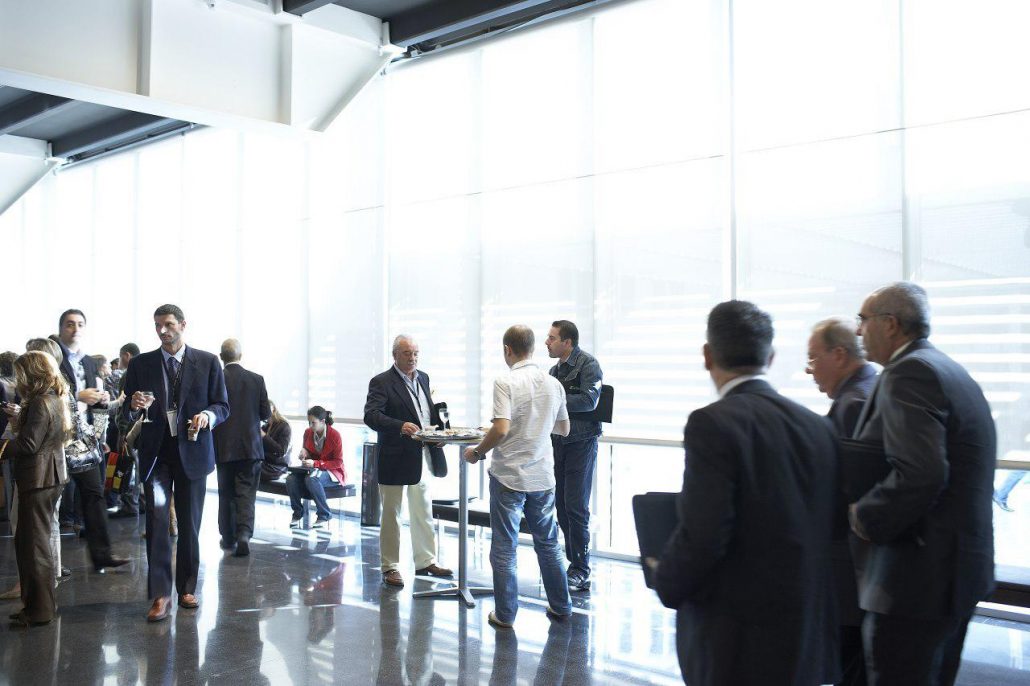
(797, 154)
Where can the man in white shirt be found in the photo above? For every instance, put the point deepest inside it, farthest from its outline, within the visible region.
(528, 406)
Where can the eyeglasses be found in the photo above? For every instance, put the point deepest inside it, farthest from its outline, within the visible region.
(863, 318)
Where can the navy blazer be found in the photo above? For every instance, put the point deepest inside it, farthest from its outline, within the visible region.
(936, 429)
(202, 388)
(851, 397)
(387, 407)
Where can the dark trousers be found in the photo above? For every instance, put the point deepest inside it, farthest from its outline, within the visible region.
(574, 479)
(913, 652)
(132, 499)
(37, 567)
(169, 482)
(237, 491)
(70, 513)
(312, 487)
(852, 657)
(90, 489)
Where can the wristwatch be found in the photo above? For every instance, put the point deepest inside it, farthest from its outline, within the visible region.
(479, 455)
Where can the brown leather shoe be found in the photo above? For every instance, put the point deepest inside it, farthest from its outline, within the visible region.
(434, 570)
(161, 608)
(393, 578)
(189, 601)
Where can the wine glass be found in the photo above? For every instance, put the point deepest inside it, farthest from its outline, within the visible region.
(445, 417)
(149, 397)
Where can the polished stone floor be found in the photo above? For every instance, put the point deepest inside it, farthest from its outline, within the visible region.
(309, 607)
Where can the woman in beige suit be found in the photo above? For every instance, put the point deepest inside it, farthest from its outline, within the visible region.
(37, 453)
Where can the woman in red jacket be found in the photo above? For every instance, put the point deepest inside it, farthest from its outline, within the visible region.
(323, 454)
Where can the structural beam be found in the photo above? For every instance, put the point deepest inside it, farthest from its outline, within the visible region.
(29, 110)
(457, 17)
(129, 128)
(301, 7)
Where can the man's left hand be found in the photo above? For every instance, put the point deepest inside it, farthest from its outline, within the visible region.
(200, 421)
(856, 526)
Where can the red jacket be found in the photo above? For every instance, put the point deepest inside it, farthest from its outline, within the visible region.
(331, 456)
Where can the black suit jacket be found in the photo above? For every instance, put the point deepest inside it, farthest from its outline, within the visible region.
(387, 407)
(239, 436)
(748, 567)
(202, 388)
(930, 519)
(89, 368)
(851, 397)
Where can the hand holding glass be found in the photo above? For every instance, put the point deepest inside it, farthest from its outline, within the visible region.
(148, 398)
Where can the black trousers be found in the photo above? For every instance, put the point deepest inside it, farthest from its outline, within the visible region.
(36, 563)
(237, 491)
(90, 489)
(167, 483)
(913, 652)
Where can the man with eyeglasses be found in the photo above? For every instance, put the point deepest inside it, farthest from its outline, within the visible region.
(928, 552)
(837, 364)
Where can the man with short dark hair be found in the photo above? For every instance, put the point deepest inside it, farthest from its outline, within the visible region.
(928, 524)
(238, 450)
(528, 408)
(575, 455)
(81, 372)
(176, 451)
(131, 500)
(747, 568)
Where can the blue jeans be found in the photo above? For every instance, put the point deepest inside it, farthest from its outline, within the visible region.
(506, 510)
(574, 476)
(1014, 477)
(312, 487)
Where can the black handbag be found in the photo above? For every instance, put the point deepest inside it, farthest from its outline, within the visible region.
(84, 452)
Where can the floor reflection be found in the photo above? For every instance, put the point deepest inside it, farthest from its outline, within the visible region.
(310, 608)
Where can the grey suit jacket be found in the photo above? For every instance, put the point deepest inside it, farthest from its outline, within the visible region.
(930, 519)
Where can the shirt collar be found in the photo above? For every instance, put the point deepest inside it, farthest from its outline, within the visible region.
(178, 356)
(229, 363)
(573, 356)
(524, 363)
(896, 353)
(405, 376)
(733, 383)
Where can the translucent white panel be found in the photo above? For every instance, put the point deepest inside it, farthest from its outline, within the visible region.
(538, 258)
(819, 228)
(965, 59)
(535, 102)
(431, 119)
(351, 157)
(12, 242)
(434, 296)
(808, 70)
(661, 266)
(658, 100)
(346, 302)
(69, 247)
(114, 238)
(159, 238)
(623, 472)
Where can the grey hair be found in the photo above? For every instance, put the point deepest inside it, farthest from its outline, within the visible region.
(397, 342)
(46, 345)
(839, 332)
(232, 351)
(906, 302)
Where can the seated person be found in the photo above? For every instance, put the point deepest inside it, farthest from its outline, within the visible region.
(322, 453)
(275, 440)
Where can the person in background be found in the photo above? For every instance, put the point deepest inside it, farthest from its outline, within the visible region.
(131, 501)
(7, 384)
(275, 443)
(399, 404)
(528, 408)
(748, 566)
(37, 454)
(575, 455)
(927, 528)
(322, 452)
(238, 451)
(82, 375)
(837, 364)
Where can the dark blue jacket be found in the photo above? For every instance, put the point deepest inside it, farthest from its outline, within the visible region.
(202, 388)
(581, 376)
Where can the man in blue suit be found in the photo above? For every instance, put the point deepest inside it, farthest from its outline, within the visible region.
(176, 451)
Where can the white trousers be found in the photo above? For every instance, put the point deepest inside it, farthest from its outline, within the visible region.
(420, 520)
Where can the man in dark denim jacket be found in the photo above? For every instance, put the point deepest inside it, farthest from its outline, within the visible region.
(575, 455)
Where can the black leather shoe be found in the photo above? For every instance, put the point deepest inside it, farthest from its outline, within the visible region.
(111, 562)
(226, 544)
(242, 548)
